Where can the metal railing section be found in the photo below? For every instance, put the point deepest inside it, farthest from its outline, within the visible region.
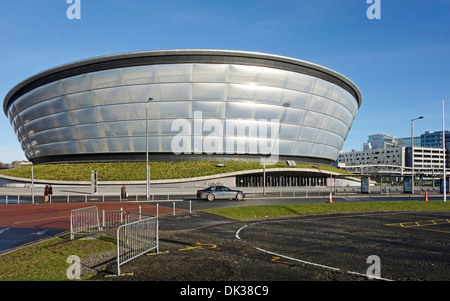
(136, 238)
(136, 233)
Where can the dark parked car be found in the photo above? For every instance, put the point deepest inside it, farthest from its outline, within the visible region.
(220, 192)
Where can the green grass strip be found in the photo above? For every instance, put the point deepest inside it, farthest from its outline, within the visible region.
(47, 260)
(246, 213)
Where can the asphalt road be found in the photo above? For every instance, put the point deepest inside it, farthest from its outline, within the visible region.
(202, 247)
(410, 246)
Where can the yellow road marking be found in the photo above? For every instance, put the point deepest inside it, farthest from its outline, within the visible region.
(421, 224)
(198, 245)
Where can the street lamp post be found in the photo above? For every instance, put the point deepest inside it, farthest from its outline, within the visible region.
(147, 188)
(412, 152)
(444, 176)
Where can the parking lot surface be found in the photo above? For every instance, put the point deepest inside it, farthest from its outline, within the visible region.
(410, 246)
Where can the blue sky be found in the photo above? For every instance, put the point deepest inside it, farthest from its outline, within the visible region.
(401, 62)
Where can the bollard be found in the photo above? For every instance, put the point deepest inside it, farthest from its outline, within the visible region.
(173, 208)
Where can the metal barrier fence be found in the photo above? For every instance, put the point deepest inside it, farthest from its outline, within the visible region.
(136, 233)
(84, 221)
(91, 221)
(136, 238)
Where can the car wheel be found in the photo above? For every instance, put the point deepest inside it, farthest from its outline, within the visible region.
(239, 196)
(210, 197)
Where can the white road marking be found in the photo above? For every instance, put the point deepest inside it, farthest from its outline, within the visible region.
(320, 265)
(237, 232)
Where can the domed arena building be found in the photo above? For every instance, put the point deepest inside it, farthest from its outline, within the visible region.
(173, 105)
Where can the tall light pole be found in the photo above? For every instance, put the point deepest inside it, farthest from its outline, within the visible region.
(147, 188)
(412, 152)
(443, 149)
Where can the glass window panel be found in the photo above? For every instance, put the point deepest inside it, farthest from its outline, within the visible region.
(61, 148)
(124, 144)
(79, 100)
(159, 144)
(12, 112)
(56, 135)
(123, 128)
(29, 115)
(268, 112)
(303, 148)
(90, 146)
(110, 96)
(241, 92)
(16, 124)
(211, 109)
(83, 116)
(44, 108)
(86, 131)
(272, 77)
(286, 147)
(105, 79)
(294, 115)
(174, 92)
(164, 127)
(176, 109)
(296, 99)
(75, 84)
(327, 106)
(289, 131)
(323, 88)
(141, 93)
(243, 74)
(121, 112)
(138, 75)
(48, 91)
(324, 151)
(242, 128)
(346, 99)
(173, 73)
(209, 91)
(300, 82)
(240, 110)
(22, 103)
(308, 134)
(269, 95)
(335, 126)
(210, 73)
(320, 104)
(48, 122)
(314, 119)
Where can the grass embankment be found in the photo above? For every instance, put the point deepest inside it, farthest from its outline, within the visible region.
(136, 171)
(48, 260)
